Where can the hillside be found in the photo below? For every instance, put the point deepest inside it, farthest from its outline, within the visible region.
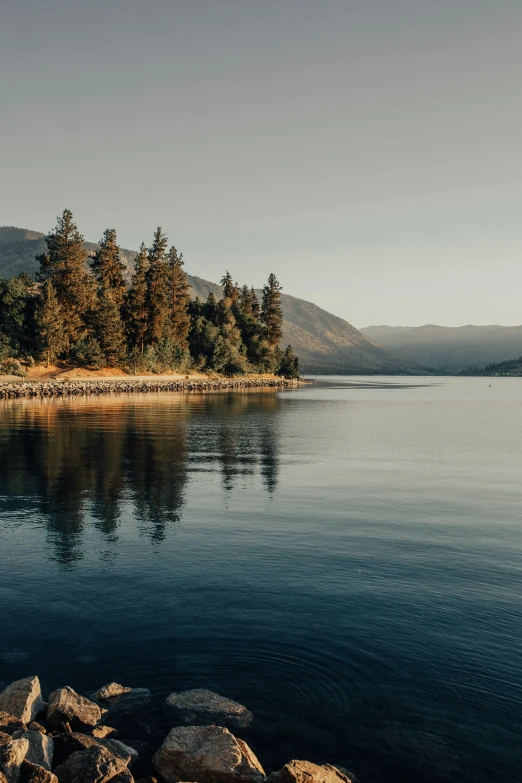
(450, 349)
(511, 369)
(323, 342)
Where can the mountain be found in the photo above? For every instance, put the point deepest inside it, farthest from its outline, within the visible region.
(512, 369)
(450, 349)
(323, 342)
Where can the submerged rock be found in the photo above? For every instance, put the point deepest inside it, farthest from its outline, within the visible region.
(199, 707)
(205, 754)
(32, 773)
(111, 690)
(306, 772)
(93, 765)
(41, 747)
(12, 753)
(67, 706)
(23, 699)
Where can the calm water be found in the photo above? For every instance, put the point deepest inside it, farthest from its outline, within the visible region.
(347, 562)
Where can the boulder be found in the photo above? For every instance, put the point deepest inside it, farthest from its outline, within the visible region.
(92, 765)
(34, 726)
(199, 707)
(23, 699)
(111, 690)
(123, 777)
(3, 778)
(12, 753)
(205, 754)
(306, 772)
(74, 742)
(41, 747)
(67, 706)
(8, 723)
(32, 773)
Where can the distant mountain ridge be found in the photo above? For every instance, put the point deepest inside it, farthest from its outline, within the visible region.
(324, 343)
(450, 349)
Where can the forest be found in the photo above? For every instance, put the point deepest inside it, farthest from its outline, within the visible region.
(82, 311)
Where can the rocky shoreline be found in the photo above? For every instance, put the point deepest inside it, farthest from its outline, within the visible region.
(115, 735)
(95, 387)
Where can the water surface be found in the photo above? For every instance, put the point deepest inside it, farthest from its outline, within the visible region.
(345, 561)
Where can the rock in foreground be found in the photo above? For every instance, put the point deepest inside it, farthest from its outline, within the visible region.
(93, 765)
(67, 706)
(306, 772)
(41, 747)
(199, 707)
(205, 754)
(12, 754)
(32, 773)
(23, 699)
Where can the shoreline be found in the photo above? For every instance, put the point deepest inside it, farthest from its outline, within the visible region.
(79, 387)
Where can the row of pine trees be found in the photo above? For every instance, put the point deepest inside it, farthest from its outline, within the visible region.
(82, 310)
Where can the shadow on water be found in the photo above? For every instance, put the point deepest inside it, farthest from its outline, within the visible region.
(82, 461)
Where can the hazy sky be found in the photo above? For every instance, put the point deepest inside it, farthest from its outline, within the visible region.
(366, 151)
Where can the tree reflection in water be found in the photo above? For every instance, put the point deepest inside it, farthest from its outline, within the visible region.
(83, 464)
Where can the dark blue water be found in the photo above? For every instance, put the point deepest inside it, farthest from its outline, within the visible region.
(346, 562)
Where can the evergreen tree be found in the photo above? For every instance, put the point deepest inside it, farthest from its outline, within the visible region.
(254, 305)
(136, 312)
(64, 265)
(289, 367)
(272, 312)
(108, 327)
(16, 295)
(108, 268)
(180, 291)
(230, 289)
(49, 323)
(158, 290)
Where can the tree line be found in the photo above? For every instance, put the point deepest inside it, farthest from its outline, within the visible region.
(82, 311)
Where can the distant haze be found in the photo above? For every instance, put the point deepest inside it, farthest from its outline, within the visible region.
(367, 152)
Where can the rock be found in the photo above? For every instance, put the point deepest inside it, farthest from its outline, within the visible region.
(67, 744)
(3, 778)
(93, 765)
(8, 723)
(23, 699)
(12, 753)
(34, 726)
(199, 707)
(32, 773)
(41, 747)
(123, 777)
(132, 716)
(67, 706)
(306, 772)
(103, 731)
(205, 754)
(111, 690)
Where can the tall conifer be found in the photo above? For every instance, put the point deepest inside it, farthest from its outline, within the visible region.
(108, 327)
(158, 290)
(49, 323)
(272, 311)
(180, 292)
(137, 301)
(108, 268)
(64, 265)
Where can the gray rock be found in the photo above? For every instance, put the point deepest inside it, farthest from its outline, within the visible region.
(23, 699)
(199, 707)
(111, 690)
(93, 765)
(67, 706)
(41, 747)
(32, 773)
(205, 754)
(306, 772)
(12, 753)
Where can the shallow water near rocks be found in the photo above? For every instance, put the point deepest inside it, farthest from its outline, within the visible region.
(346, 561)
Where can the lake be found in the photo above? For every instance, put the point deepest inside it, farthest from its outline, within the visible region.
(346, 561)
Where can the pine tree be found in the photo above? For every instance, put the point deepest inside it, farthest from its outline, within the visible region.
(254, 304)
(158, 290)
(289, 367)
(108, 268)
(136, 312)
(272, 312)
(108, 327)
(180, 291)
(230, 289)
(64, 265)
(49, 323)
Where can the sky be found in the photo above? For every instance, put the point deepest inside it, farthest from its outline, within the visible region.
(366, 151)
